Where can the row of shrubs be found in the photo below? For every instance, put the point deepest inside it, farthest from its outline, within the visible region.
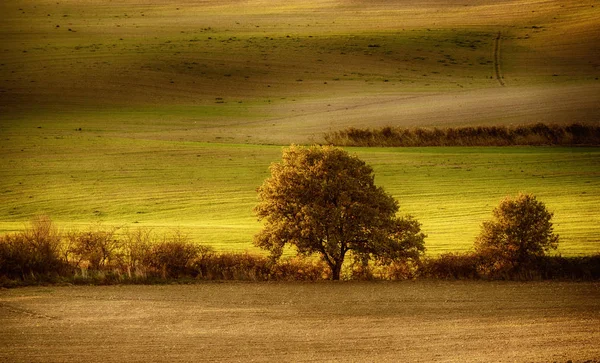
(469, 265)
(40, 254)
(535, 134)
(99, 255)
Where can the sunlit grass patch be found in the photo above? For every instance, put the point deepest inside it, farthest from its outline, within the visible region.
(208, 190)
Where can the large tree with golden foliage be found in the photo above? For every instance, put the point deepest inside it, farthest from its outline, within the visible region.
(324, 201)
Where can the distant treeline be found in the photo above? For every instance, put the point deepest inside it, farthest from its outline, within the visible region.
(536, 134)
(41, 255)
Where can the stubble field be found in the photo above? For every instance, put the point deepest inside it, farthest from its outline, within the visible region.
(423, 321)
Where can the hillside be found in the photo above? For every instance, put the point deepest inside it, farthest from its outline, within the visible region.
(224, 70)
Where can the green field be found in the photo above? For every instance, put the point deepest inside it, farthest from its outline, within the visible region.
(208, 190)
(167, 115)
(423, 321)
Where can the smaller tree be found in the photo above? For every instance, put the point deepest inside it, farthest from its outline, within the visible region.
(520, 232)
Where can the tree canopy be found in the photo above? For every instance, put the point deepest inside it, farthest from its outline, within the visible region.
(520, 231)
(322, 200)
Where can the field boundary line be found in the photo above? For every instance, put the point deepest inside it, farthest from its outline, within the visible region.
(497, 69)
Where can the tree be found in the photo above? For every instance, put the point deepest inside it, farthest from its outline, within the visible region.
(520, 232)
(321, 200)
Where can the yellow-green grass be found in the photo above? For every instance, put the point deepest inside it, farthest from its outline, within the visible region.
(208, 190)
(111, 111)
(452, 190)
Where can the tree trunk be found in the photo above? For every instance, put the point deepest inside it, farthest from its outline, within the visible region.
(336, 271)
(335, 263)
(336, 268)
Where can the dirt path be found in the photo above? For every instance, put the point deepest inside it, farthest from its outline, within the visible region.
(497, 68)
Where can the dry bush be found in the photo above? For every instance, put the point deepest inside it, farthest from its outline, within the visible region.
(135, 250)
(471, 266)
(14, 256)
(400, 270)
(41, 253)
(249, 267)
(569, 268)
(299, 268)
(93, 249)
(33, 253)
(175, 257)
(235, 266)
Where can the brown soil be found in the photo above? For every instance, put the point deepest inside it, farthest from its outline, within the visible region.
(423, 321)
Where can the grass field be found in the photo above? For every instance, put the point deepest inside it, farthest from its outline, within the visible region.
(167, 114)
(208, 190)
(423, 321)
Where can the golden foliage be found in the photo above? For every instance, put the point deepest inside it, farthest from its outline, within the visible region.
(321, 200)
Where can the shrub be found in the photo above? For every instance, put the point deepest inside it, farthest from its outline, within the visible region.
(94, 249)
(41, 253)
(400, 270)
(135, 251)
(569, 268)
(14, 256)
(299, 268)
(35, 252)
(452, 266)
(175, 257)
(235, 266)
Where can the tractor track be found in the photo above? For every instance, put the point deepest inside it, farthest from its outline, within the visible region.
(25, 312)
(497, 68)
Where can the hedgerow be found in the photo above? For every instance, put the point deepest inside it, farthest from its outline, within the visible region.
(535, 134)
(41, 254)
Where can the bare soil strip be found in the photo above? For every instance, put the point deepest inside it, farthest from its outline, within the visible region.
(423, 321)
(497, 69)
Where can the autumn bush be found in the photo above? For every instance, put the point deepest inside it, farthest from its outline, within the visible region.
(34, 253)
(470, 266)
(101, 255)
(568, 268)
(453, 266)
(174, 258)
(299, 269)
(235, 266)
(136, 247)
(93, 249)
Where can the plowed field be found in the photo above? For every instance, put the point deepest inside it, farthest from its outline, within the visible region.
(422, 321)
